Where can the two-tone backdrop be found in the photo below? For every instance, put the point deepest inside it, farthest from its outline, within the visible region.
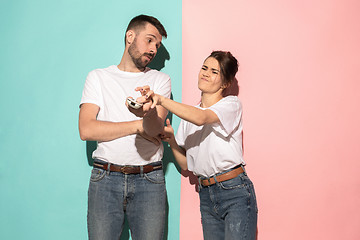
(299, 84)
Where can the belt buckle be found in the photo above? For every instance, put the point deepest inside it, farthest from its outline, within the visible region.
(123, 169)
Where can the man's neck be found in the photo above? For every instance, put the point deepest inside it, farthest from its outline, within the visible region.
(127, 65)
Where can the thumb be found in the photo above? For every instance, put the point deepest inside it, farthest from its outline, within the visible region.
(168, 122)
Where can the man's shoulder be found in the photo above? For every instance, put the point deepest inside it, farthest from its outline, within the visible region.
(156, 73)
(101, 70)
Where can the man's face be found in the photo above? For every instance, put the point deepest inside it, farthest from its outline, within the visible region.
(145, 45)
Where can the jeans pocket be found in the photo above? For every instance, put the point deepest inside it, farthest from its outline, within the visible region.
(252, 194)
(97, 174)
(156, 176)
(236, 182)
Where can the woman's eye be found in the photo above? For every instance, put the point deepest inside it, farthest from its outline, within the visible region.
(203, 68)
(215, 72)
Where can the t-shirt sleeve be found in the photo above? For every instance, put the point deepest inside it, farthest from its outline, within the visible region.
(92, 90)
(180, 138)
(229, 111)
(163, 86)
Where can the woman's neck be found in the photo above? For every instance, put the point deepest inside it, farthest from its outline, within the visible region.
(207, 99)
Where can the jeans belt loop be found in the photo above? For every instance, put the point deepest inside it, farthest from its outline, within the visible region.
(215, 180)
(141, 171)
(108, 169)
(243, 168)
(199, 179)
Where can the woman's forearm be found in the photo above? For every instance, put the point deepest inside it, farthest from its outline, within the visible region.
(179, 154)
(189, 113)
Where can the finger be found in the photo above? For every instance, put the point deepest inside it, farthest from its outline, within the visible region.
(154, 103)
(149, 94)
(141, 99)
(143, 89)
(138, 88)
(168, 122)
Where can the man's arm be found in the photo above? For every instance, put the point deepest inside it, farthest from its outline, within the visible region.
(92, 129)
(153, 118)
(153, 121)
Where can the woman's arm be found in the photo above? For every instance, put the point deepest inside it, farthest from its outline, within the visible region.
(189, 113)
(179, 152)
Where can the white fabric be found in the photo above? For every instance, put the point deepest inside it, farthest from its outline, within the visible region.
(214, 148)
(108, 88)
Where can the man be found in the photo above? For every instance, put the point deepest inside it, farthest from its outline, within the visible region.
(127, 178)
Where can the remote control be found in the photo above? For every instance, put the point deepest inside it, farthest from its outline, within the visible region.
(132, 103)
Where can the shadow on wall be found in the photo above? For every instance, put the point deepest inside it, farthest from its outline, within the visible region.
(158, 63)
(162, 55)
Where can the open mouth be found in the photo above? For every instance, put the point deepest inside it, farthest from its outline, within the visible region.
(149, 57)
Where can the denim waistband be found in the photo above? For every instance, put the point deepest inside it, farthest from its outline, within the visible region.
(158, 163)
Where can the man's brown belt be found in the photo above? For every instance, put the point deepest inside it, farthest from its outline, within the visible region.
(222, 177)
(127, 169)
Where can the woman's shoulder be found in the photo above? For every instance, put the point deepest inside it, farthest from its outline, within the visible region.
(230, 100)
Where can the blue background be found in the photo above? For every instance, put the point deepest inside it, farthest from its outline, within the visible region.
(47, 50)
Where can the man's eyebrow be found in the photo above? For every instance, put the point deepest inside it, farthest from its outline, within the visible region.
(152, 35)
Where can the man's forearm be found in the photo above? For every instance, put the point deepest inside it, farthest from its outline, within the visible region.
(152, 124)
(102, 131)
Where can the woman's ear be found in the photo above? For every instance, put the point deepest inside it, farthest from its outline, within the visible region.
(225, 85)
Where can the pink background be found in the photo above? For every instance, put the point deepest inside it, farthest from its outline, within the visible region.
(300, 88)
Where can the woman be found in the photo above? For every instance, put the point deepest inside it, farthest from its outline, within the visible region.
(209, 143)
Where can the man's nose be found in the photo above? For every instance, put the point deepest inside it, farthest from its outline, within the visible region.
(153, 50)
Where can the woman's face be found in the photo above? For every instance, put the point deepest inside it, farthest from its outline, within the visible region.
(210, 80)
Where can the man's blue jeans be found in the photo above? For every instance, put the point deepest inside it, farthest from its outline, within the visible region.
(142, 197)
(229, 209)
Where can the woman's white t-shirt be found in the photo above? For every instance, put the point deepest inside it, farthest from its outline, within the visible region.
(214, 148)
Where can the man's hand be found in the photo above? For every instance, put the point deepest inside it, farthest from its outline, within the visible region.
(155, 140)
(144, 110)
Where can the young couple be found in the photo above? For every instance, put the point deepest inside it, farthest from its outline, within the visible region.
(127, 178)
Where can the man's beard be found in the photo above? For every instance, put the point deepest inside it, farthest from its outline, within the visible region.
(136, 57)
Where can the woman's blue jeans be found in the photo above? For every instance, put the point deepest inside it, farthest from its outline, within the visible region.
(229, 209)
(141, 197)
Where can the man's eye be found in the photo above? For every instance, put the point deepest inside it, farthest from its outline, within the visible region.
(149, 40)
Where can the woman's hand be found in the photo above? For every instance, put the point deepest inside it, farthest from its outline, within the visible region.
(168, 133)
(148, 95)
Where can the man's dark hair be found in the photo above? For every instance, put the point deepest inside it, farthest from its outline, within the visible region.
(140, 22)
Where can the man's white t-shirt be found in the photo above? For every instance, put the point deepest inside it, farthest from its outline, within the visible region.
(108, 88)
(214, 148)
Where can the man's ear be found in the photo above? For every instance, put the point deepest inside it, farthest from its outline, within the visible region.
(130, 36)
